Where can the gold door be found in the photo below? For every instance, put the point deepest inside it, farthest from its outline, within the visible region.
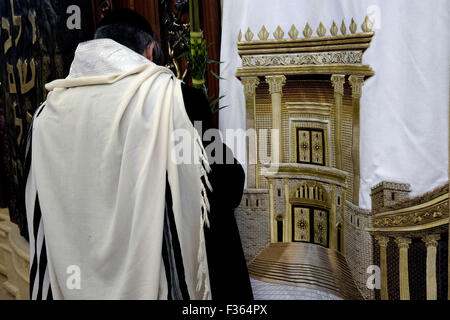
(301, 225)
(310, 225)
(317, 148)
(304, 146)
(311, 146)
(321, 227)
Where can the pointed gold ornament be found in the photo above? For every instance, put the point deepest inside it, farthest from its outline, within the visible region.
(321, 30)
(263, 34)
(240, 35)
(334, 29)
(343, 28)
(353, 27)
(367, 25)
(249, 35)
(278, 34)
(307, 32)
(293, 33)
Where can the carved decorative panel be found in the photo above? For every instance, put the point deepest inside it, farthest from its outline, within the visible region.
(301, 225)
(317, 148)
(304, 146)
(321, 227)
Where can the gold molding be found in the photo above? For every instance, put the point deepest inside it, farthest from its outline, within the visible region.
(308, 170)
(422, 227)
(430, 203)
(318, 108)
(359, 41)
(363, 70)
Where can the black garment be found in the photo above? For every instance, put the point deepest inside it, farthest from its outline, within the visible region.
(227, 266)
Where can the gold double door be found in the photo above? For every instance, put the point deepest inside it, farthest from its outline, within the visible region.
(311, 225)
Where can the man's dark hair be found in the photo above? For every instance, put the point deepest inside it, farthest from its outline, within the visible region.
(131, 30)
(127, 35)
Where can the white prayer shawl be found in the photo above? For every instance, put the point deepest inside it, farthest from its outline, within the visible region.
(100, 152)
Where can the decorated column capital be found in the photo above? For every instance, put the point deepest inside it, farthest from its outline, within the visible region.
(431, 240)
(382, 241)
(250, 85)
(356, 82)
(276, 83)
(338, 81)
(403, 243)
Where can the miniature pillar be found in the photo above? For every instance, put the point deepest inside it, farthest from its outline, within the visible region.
(383, 243)
(403, 245)
(288, 216)
(273, 239)
(333, 236)
(356, 82)
(338, 81)
(250, 85)
(276, 90)
(431, 241)
(343, 227)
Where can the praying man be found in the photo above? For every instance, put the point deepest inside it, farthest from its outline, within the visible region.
(112, 213)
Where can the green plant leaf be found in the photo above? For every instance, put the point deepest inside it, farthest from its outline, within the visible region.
(216, 75)
(215, 101)
(215, 110)
(214, 61)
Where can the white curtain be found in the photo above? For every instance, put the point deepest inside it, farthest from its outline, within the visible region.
(404, 109)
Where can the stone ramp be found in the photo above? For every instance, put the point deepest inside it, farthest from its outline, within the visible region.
(305, 265)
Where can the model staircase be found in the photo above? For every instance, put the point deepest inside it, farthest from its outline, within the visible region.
(305, 265)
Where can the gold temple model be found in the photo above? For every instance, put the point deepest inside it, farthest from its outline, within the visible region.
(300, 220)
(309, 89)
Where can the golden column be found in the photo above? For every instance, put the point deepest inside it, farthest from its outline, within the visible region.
(333, 236)
(250, 85)
(383, 243)
(343, 228)
(356, 83)
(273, 226)
(276, 84)
(338, 81)
(431, 242)
(288, 216)
(403, 246)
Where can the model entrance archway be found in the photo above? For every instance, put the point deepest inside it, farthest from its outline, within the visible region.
(310, 224)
